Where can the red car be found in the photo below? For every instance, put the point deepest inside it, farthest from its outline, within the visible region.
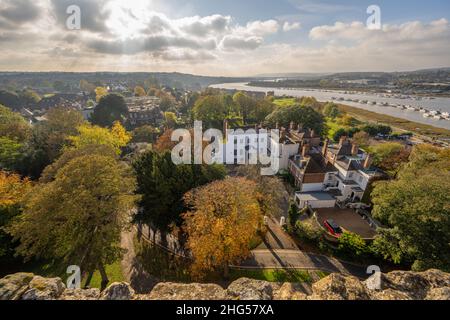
(333, 228)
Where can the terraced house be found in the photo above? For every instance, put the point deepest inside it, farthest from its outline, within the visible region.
(333, 174)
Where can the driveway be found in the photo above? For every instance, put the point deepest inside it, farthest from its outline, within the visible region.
(349, 220)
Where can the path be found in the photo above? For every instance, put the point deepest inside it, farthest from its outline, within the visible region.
(279, 250)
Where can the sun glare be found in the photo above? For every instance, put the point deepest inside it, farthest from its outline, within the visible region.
(127, 17)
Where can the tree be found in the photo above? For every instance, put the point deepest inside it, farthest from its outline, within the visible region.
(50, 172)
(29, 97)
(52, 135)
(415, 209)
(10, 99)
(170, 119)
(87, 87)
(212, 110)
(361, 138)
(167, 102)
(11, 153)
(12, 190)
(246, 105)
(116, 138)
(271, 188)
(162, 185)
(111, 108)
(374, 130)
(13, 125)
(100, 92)
(294, 215)
(389, 155)
(223, 218)
(341, 132)
(164, 142)
(331, 110)
(78, 217)
(297, 114)
(351, 244)
(263, 109)
(144, 133)
(139, 91)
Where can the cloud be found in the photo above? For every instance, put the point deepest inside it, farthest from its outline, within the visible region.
(202, 26)
(94, 14)
(287, 26)
(14, 13)
(242, 43)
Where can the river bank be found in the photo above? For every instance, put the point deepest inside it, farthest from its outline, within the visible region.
(397, 123)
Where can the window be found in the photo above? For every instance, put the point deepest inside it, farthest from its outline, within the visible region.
(350, 175)
(360, 178)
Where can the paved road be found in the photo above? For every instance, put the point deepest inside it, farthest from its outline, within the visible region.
(296, 259)
(279, 250)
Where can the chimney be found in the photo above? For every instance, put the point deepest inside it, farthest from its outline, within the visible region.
(300, 127)
(305, 150)
(355, 149)
(368, 161)
(342, 141)
(291, 126)
(277, 126)
(313, 133)
(282, 133)
(325, 147)
(225, 127)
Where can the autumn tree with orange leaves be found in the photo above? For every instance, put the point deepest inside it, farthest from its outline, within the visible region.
(225, 216)
(12, 189)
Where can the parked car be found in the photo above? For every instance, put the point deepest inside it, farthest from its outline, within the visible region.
(333, 228)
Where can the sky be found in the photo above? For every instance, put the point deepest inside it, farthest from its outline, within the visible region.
(224, 37)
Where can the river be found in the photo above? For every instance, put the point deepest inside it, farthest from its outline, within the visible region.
(438, 104)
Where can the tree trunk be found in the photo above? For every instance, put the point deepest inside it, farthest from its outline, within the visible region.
(88, 279)
(105, 279)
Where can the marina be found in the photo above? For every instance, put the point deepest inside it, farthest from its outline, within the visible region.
(427, 110)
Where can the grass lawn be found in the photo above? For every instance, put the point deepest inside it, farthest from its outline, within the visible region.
(333, 126)
(277, 275)
(284, 102)
(114, 272)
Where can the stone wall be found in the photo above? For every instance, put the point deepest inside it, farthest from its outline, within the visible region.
(397, 285)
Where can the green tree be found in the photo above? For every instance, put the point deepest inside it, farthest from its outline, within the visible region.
(145, 133)
(294, 214)
(11, 153)
(52, 135)
(297, 114)
(78, 217)
(13, 125)
(111, 108)
(163, 184)
(331, 110)
(351, 244)
(170, 120)
(10, 99)
(415, 209)
(213, 110)
(375, 129)
(116, 138)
